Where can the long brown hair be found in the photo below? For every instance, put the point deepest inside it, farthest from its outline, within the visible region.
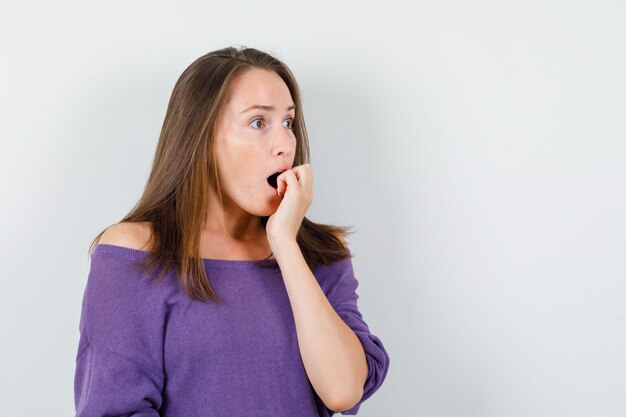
(174, 201)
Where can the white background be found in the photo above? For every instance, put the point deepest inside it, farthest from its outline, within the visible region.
(479, 149)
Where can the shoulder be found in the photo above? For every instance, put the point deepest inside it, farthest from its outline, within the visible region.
(134, 235)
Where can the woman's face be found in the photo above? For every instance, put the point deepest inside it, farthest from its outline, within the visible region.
(252, 143)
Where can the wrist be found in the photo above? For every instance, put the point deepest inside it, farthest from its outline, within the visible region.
(281, 240)
(283, 245)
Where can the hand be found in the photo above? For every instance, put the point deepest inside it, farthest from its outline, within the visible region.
(295, 186)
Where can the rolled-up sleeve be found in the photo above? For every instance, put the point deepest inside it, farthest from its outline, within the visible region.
(119, 366)
(343, 297)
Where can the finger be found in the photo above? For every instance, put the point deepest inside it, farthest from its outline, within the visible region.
(302, 171)
(291, 178)
(281, 183)
(304, 174)
(286, 179)
(308, 175)
(307, 180)
(298, 171)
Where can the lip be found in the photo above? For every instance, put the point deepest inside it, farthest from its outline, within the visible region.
(274, 190)
(281, 168)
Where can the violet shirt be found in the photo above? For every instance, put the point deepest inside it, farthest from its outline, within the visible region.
(147, 349)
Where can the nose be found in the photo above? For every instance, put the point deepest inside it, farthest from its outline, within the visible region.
(284, 141)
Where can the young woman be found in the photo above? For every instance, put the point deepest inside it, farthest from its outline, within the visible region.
(253, 311)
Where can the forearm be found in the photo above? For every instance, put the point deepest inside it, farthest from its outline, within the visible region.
(331, 352)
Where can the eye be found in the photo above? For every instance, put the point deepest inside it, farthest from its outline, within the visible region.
(255, 120)
(290, 123)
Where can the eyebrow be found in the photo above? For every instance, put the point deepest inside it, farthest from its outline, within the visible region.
(267, 108)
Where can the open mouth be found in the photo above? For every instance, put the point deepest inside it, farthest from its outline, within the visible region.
(271, 180)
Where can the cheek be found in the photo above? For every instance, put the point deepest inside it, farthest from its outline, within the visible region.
(242, 167)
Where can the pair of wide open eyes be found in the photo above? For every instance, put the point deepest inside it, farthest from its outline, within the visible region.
(260, 119)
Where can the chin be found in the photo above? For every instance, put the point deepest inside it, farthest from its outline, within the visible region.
(264, 211)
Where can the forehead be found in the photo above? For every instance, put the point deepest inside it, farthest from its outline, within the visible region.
(259, 87)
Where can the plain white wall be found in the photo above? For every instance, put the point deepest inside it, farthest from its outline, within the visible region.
(479, 148)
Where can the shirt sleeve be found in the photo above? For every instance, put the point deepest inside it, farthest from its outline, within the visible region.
(119, 365)
(343, 297)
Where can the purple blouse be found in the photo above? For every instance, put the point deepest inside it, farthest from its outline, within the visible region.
(147, 349)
